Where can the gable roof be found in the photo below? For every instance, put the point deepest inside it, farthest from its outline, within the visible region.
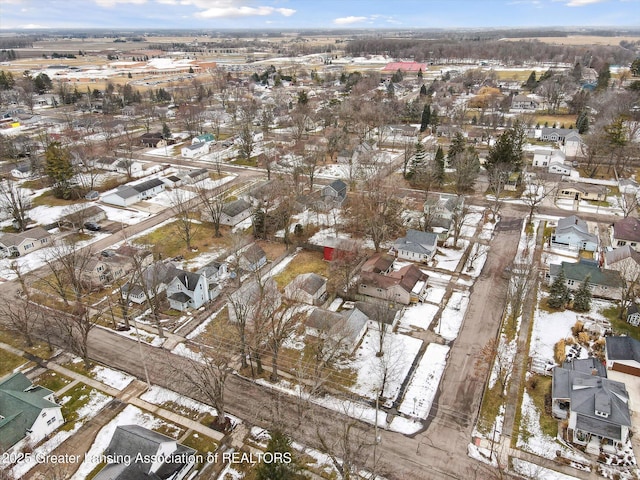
(418, 242)
(627, 229)
(20, 405)
(308, 282)
(253, 254)
(579, 271)
(188, 279)
(621, 253)
(378, 263)
(15, 239)
(234, 208)
(340, 187)
(148, 185)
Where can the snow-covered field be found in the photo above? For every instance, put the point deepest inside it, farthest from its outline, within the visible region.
(423, 386)
(418, 316)
(394, 365)
(97, 400)
(110, 377)
(449, 258)
(452, 316)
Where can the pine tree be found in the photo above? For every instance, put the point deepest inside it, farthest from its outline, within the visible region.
(531, 82)
(284, 469)
(438, 166)
(420, 74)
(417, 162)
(582, 122)
(604, 75)
(559, 295)
(582, 297)
(59, 169)
(458, 144)
(426, 117)
(423, 90)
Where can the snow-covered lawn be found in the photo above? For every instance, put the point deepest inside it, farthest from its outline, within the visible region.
(478, 256)
(124, 215)
(470, 224)
(97, 400)
(419, 316)
(449, 258)
(145, 336)
(159, 396)
(435, 294)
(129, 416)
(110, 377)
(393, 365)
(452, 316)
(531, 470)
(423, 386)
(167, 199)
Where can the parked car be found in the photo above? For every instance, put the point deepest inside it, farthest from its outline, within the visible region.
(93, 226)
(92, 195)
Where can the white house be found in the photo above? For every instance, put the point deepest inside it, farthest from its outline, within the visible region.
(195, 150)
(309, 288)
(573, 146)
(27, 411)
(417, 246)
(20, 244)
(235, 212)
(129, 167)
(187, 290)
(572, 233)
(126, 195)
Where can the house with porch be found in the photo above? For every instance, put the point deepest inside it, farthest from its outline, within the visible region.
(604, 283)
(253, 299)
(416, 246)
(344, 330)
(572, 233)
(129, 194)
(439, 210)
(404, 286)
(27, 412)
(555, 134)
(582, 191)
(597, 409)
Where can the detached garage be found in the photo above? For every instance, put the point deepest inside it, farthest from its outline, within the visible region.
(623, 355)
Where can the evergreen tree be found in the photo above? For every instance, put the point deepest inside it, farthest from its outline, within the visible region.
(458, 144)
(576, 73)
(59, 169)
(604, 75)
(166, 131)
(397, 77)
(420, 74)
(286, 468)
(531, 82)
(559, 295)
(418, 161)
(635, 67)
(438, 166)
(426, 117)
(582, 122)
(582, 297)
(508, 149)
(423, 90)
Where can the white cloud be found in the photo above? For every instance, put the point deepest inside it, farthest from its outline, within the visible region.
(349, 20)
(582, 3)
(243, 11)
(113, 3)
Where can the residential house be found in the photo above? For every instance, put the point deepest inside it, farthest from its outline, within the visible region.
(126, 195)
(604, 283)
(628, 186)
(253, 299)
(555, 134)
(573, 146)
(335, 193)
(633, 315)
(582, 191)
(235, 212)
(27, 411)
(625, 260)
(626, 232)
(252, 258)
(309, 288)
(76, 219)
(524, 102)
(542, 157)
(344, 330)
(622, 354)
(106, 163)
(564, 170)
(129, 167)
(140, 453)
(573, 234)
(404, 286)
(416, 246)
(20, 244)
(439, 210)
(172, 181)
(195, 176)
(597, 409)
(195, 150)
(380, 263)
(152, 281)
(204, 138)
(513, 182)
(153, 140)
(187, 290)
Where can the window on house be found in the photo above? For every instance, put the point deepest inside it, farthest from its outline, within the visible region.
(51, 420)
(44, 414)
(621, 243)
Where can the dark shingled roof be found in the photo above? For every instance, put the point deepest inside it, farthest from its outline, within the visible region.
(234, 208)
(579, 271)
(378, 263)
(623, 348)
(627, 229)
(148, 185)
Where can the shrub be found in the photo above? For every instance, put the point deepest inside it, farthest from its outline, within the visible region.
(559, 351)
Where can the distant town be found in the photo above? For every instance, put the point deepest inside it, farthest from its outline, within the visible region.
(320, 254)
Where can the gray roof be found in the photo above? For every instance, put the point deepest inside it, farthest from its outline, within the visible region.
(132, 440)
(418, 242)
(234, 208)
(621, 253)
(126, 191)
(622, 348)
(195, 146)
(627, 229)
(579, 271)
(343, 326)
(15, 239)
(340, 187)
(188, 279)
(586, 365)
(180, 297)
(590, 393)
(198, 172)
(576, 225)
(308, 282)
(148, 185)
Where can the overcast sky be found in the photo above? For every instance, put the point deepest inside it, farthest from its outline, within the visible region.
(217, 14)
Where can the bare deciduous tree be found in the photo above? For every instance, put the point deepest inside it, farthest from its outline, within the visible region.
(20, 317)
(212, 201)
(15, 202)
(183, 212)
